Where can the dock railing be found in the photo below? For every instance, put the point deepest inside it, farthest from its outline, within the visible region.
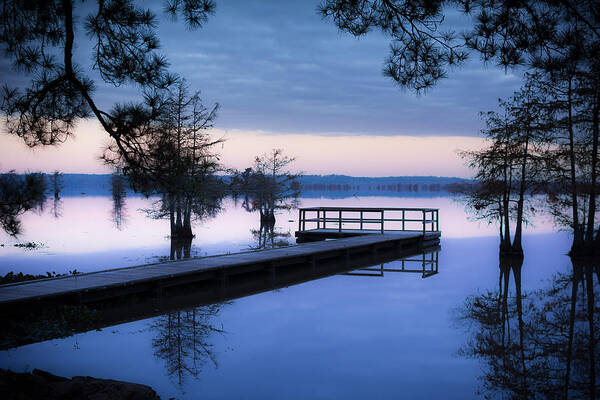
(428, 261)
(369, 219)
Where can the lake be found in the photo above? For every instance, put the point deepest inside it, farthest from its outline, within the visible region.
(370, 334)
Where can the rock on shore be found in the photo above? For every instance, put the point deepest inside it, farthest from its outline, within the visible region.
(43, 385)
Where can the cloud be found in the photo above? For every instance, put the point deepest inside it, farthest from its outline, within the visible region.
(277, 66)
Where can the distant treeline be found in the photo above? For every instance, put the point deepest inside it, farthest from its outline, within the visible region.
(329, 185)
(349, 185)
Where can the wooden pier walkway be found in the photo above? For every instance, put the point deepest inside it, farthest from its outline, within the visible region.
(102, 285)
(74, 319)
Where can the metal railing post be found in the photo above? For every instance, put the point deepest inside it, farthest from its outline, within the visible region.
(340, 221)
(423, 222)
(304, 220)
(318, 219)
(382, 222)
(361, 220)
(403, 220)
(432, 221)
(300, 219)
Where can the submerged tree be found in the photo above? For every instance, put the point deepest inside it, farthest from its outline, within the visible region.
(572, 162)
(40, 38)
(180, 158)
(268, 186)
(510, 168)
(19, 194)
(559, 40)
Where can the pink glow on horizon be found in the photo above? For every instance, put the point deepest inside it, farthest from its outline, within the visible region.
(315, 154)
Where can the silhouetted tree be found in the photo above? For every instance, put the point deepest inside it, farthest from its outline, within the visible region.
(268, 186)
(420, 51)
(572, 162)
(181, 162)
(510, 168)
(558, 39)
(19, 194)
(39, 37)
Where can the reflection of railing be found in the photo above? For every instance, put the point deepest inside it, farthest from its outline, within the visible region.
(378, 219)
(428, 261)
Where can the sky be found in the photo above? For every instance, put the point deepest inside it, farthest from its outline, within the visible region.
(286, 78)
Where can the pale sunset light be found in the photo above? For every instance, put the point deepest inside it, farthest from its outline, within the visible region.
(355, 155)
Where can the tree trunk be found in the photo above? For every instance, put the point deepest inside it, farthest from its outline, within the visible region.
(591, 304)
(516, 265)
(178, 218)
(172, 215)
(186, 230)
(506, 242)
(517, 248)
(575, 283)
(589, 236)
(576, 228)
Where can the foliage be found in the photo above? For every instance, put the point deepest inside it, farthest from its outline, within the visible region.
(559, 41)
(179, 156)
(544, 35)
(572, 161)
(420, 51)
(269, 185)
(19, 194)
(39, 37)
(509, 169)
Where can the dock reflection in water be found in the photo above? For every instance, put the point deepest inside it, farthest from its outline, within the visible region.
(63, 321)
(427, 260)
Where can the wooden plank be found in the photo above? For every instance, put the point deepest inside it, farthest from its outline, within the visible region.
(100, 280)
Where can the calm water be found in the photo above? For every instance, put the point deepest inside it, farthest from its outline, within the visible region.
(346, 336)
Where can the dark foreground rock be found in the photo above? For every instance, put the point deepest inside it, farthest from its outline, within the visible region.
(43, 385)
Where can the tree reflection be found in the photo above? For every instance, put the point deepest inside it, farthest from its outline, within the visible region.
(180, 248)
(267, 237)
(268, 186)
(118, 185)
(56, 181)
(19, 194)
(182, 340)
(543, 344)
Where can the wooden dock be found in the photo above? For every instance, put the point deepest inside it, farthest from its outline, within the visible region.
(154, 278)
(41, 323)
(321, 223)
